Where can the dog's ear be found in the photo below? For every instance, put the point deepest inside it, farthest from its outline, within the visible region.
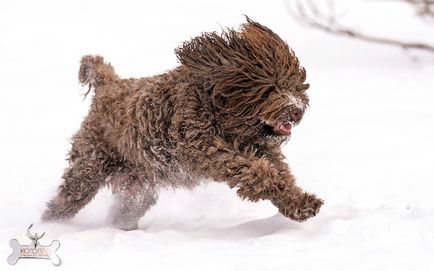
(211, 50)
(205, 52)
(254, 44)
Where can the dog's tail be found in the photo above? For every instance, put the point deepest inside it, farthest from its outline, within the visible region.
(95, 72)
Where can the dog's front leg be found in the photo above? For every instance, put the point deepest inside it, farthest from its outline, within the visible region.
(255, 177)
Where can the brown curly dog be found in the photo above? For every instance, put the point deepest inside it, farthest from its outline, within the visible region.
(222, 115)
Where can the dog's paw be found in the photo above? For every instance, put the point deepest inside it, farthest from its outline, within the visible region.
(54, 213)
(302, 208)
(124, 224)
(48, 215)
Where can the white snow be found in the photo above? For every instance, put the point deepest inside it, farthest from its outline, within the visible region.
(365, 146)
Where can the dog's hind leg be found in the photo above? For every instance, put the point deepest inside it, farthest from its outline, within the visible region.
(90, 164)
(133, 197)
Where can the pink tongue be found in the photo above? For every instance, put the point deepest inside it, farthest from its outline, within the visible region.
(285, 127)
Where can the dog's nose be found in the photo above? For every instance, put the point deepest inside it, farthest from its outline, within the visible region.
(296, 114)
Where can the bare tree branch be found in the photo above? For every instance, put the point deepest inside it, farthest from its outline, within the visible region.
(308, 13)
(423, 7)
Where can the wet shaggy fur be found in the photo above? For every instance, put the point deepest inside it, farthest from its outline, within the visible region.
(222, 114)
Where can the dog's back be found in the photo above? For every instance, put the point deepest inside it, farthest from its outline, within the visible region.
(131, 116)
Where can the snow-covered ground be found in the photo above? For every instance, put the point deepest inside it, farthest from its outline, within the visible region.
(365, 146)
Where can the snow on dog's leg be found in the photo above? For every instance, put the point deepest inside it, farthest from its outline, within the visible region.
(133, 197)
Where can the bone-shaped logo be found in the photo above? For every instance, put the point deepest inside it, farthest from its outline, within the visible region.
(34, 250)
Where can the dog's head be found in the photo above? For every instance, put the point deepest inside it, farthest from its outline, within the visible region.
(253, 79)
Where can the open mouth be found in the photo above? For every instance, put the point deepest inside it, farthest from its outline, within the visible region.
(283, 129)
(278, 129)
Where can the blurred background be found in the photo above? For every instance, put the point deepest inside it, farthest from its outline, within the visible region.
(365, 145)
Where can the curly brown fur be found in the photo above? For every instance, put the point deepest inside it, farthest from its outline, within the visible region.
(222, 115)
